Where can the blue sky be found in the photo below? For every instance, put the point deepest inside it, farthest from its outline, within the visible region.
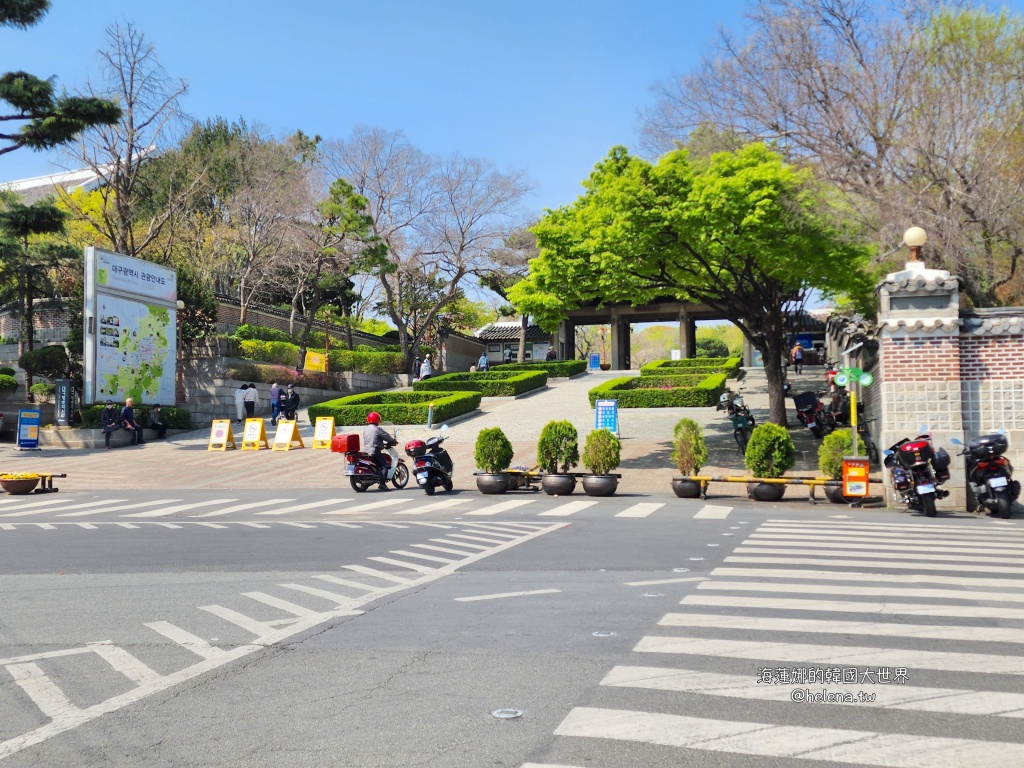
(543, 87)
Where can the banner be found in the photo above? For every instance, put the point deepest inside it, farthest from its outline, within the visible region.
(316, 361)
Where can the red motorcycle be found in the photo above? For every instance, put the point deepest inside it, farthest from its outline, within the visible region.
(362, 470)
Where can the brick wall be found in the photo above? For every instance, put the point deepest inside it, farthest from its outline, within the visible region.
(50, 321)
(987, 358)
(913, 358)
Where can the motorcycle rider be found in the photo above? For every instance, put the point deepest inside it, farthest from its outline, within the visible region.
(375, 440)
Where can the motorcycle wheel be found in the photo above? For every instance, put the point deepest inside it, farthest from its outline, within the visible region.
(359, 485)
(429, 489)
(928, 505)
(1001, 504)
(401, 478)
(448, 485)
(873, 456)
(741, 439)
(816, 431)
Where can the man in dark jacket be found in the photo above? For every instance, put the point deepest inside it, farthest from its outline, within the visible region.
(109, 422)
(156, 423)
(291, 404)
(129, 423)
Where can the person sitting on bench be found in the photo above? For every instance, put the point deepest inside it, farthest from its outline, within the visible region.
(156, 423)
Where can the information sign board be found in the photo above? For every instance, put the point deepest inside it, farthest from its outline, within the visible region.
(316, 361)
(595, 361)
(287, 435)
(221, 435)
(323, 432)
(606, 415)
(255, 435)
(28, 429)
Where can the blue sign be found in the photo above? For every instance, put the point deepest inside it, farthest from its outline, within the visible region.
(28, 429)
(805, 340)
(595, 361)
(606, 415)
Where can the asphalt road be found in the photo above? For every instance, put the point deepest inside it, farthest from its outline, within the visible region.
(312, 628)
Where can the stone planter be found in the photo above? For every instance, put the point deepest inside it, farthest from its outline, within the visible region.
(492, 483)
(686, 489)
(19, 487)
(600, 485)
(766, 491)
(558, 485)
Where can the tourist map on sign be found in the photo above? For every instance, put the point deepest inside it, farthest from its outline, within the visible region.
(136, 348)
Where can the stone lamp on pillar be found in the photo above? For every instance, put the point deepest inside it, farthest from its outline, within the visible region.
(914, 238)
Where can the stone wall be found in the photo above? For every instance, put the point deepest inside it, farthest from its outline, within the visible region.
(50, 320)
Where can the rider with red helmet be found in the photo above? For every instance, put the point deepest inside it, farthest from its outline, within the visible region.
(375, 441)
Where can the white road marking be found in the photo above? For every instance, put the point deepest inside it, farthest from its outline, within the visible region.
(377, 574)
(45, 526)
(173, 526)
(283, 605)
(300, 525)
(883, 540)
(903, 578)
(460, 544)
(334, 597)
(461, 552)
(435, 525)
(822, 544)
(338, 524)
(781, 549)
(946, 700)
(519, 530)
(34, 504)
(489, 532)
(258, 628)
(860, 589)
(975, 565)
(870, 628)
(640, 510)
(475, 538)
(346, 583)
(6, 527)
(127, 525)
(886, 750)
(300, 507)
(118, 508)
(836, 606)
(218, 525)
(567, 509)
(240, 507)
(48, 697)
(954, 529)
(502, 506)
(549, 765)
(186, 640)
(44, 655)
(403, 564)
(45, 511)
(177, 508)
(432, 558)
(506, 594)
(91, 527)
(433, 507)
(387, 525)
(712, 512)
(667, 581)
(370, 506)
(124, 662)
(258, 525)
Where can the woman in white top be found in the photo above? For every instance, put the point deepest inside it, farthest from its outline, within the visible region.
(251, 399)
(426, 369)
(240, 402)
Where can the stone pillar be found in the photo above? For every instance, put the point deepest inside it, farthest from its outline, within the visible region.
(691, 339)
(619, 343)
(918, 372)
(567, 336)
(684, 331)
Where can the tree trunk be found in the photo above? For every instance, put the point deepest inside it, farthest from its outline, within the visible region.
(772, 353)
(22, 290)
(241, 302)
(524, 324)
(347, 314)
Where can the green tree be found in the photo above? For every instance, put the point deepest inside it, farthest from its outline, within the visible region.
(743, 232)
(43, 119)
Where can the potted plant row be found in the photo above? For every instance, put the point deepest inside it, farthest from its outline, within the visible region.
(493, 456)
(601, 454)
(557, 453)
(689, 453)
(770, 452)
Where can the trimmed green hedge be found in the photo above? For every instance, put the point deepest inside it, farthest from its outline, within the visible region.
(487, 383)
(625, 390)
(397, 407)
(173, 418)
(562, 369)
(286, 353)
(727, 365)
(672, 382)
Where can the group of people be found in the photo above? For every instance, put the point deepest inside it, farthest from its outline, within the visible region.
(422, 369)
(112, 419)
(282, 402)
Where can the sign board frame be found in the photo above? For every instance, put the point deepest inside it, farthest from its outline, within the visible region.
(222, 436)
(286, 436)
(315, 361)
(254, 435)
(323, 432)
(606, 415)
(594, 363)
(29, 423)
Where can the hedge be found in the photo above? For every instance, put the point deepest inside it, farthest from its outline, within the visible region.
(488, 384)
(727, 365)
(173, 418)
(562, 369)
(625, 390)
(672, 382)
(397, 407)
(280, 374)
(286, 353)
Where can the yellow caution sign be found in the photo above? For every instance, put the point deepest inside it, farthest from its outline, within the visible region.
(221, 435)
(323, 432)
(287, 436)
(255, 435)
(315, 361)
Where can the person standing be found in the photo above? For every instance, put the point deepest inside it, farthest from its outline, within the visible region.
(109, 422)
(129, 423)
(155, 422)
(240, 403)
(291, 404)
(275, 403)
(551, 354)
(426, 370)
(416, 367)
(798, 358)
(251, 400)
(483, 364)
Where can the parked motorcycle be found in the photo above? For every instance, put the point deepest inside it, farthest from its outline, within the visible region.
(810, 413)
(362, 470)
(432, 464)
(743, 422)
(918, 471)
(990, 474)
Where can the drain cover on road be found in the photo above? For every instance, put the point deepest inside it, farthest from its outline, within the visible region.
(507, 714)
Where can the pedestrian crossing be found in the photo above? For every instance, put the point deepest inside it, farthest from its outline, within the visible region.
(795, 617)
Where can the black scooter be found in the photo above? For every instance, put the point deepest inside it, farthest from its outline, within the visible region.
(432, 466)
(918, 471)
(990, 474)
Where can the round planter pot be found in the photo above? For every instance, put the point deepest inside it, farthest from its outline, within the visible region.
(558, 485)
(18, 487)
(600, 485)
(606, 366)
(686, 489)
(766, 491)
(497, 483)
(835, 495)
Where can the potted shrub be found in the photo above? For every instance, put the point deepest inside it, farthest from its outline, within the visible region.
(7, 385)
(601, 456)
(830, 461)
(493, 456)
(689, 452)
(769, 454)
(42, 392)
(557, 452)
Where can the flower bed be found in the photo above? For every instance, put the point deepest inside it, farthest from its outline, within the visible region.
(488, 384)
(727, 365)
(561, 369)
(630, 395)
(397, 407)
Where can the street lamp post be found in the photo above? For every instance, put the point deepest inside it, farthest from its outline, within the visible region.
(914, 238)
(180, 363)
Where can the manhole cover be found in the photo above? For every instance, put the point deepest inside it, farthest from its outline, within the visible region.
(680, 570)
(603, 633)
(507, 714)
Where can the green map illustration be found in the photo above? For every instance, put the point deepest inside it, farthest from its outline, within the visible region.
(135, 343)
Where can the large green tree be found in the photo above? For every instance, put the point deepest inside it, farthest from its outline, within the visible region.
(43, 118)
(742, 232)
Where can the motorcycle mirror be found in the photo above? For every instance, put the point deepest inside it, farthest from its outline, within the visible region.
(954, 441)
(924, 429)
(444, 427)
(886, 452)
(1000, 431)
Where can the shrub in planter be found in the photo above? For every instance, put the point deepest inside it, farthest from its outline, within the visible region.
(7, 385)
(493, 455)
(6, 370)
(689, 452)
(601, 453)
(43, 391)
(558, 448)
(830, 460)
(770, 452)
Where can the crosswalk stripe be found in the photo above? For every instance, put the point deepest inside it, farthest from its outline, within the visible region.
(665, 581)
(403, 564)
(475, 538)
(433, 507)
(211, 525)
(283, 605)
(45, 526)
(870, 628)
(377, 574)
(258, 628)
(177, 508)
(567, 509)
(7, 527)
(460, 544)
(436, 525)
(884, 540)
(946, 700)
(44, 693)
(952, 529)
(26, 513)
(87, 526)
(712, 512)
(339, 524)
(300, 507)
(823, 544)
(833, 561)
(860, 589)
(371, 506)
(255, 525)
(387, 525)
(836, 606)
(346, 583)
(297, 525)
(782, 549)
(124, 662)
(640, 510)
(848, 654)
(491, 532)
(324, 593)
(117, 508)
(521, 530)
(502, 506)
(461, 552)
(240, 507)
(34, 504)
(130, 526)
(432, 558)
(173, 526)
(186, 640)
(790, 573)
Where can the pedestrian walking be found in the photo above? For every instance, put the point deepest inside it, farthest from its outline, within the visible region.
(251, 400)
(508, 356)
(551, 354)
(156, 422)
(291, 404)
(417, 366)
(483, 364)
(426, 370)
(129, 423)
(276, 393)
(110, 422)
(240, 403)
(797, 355)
